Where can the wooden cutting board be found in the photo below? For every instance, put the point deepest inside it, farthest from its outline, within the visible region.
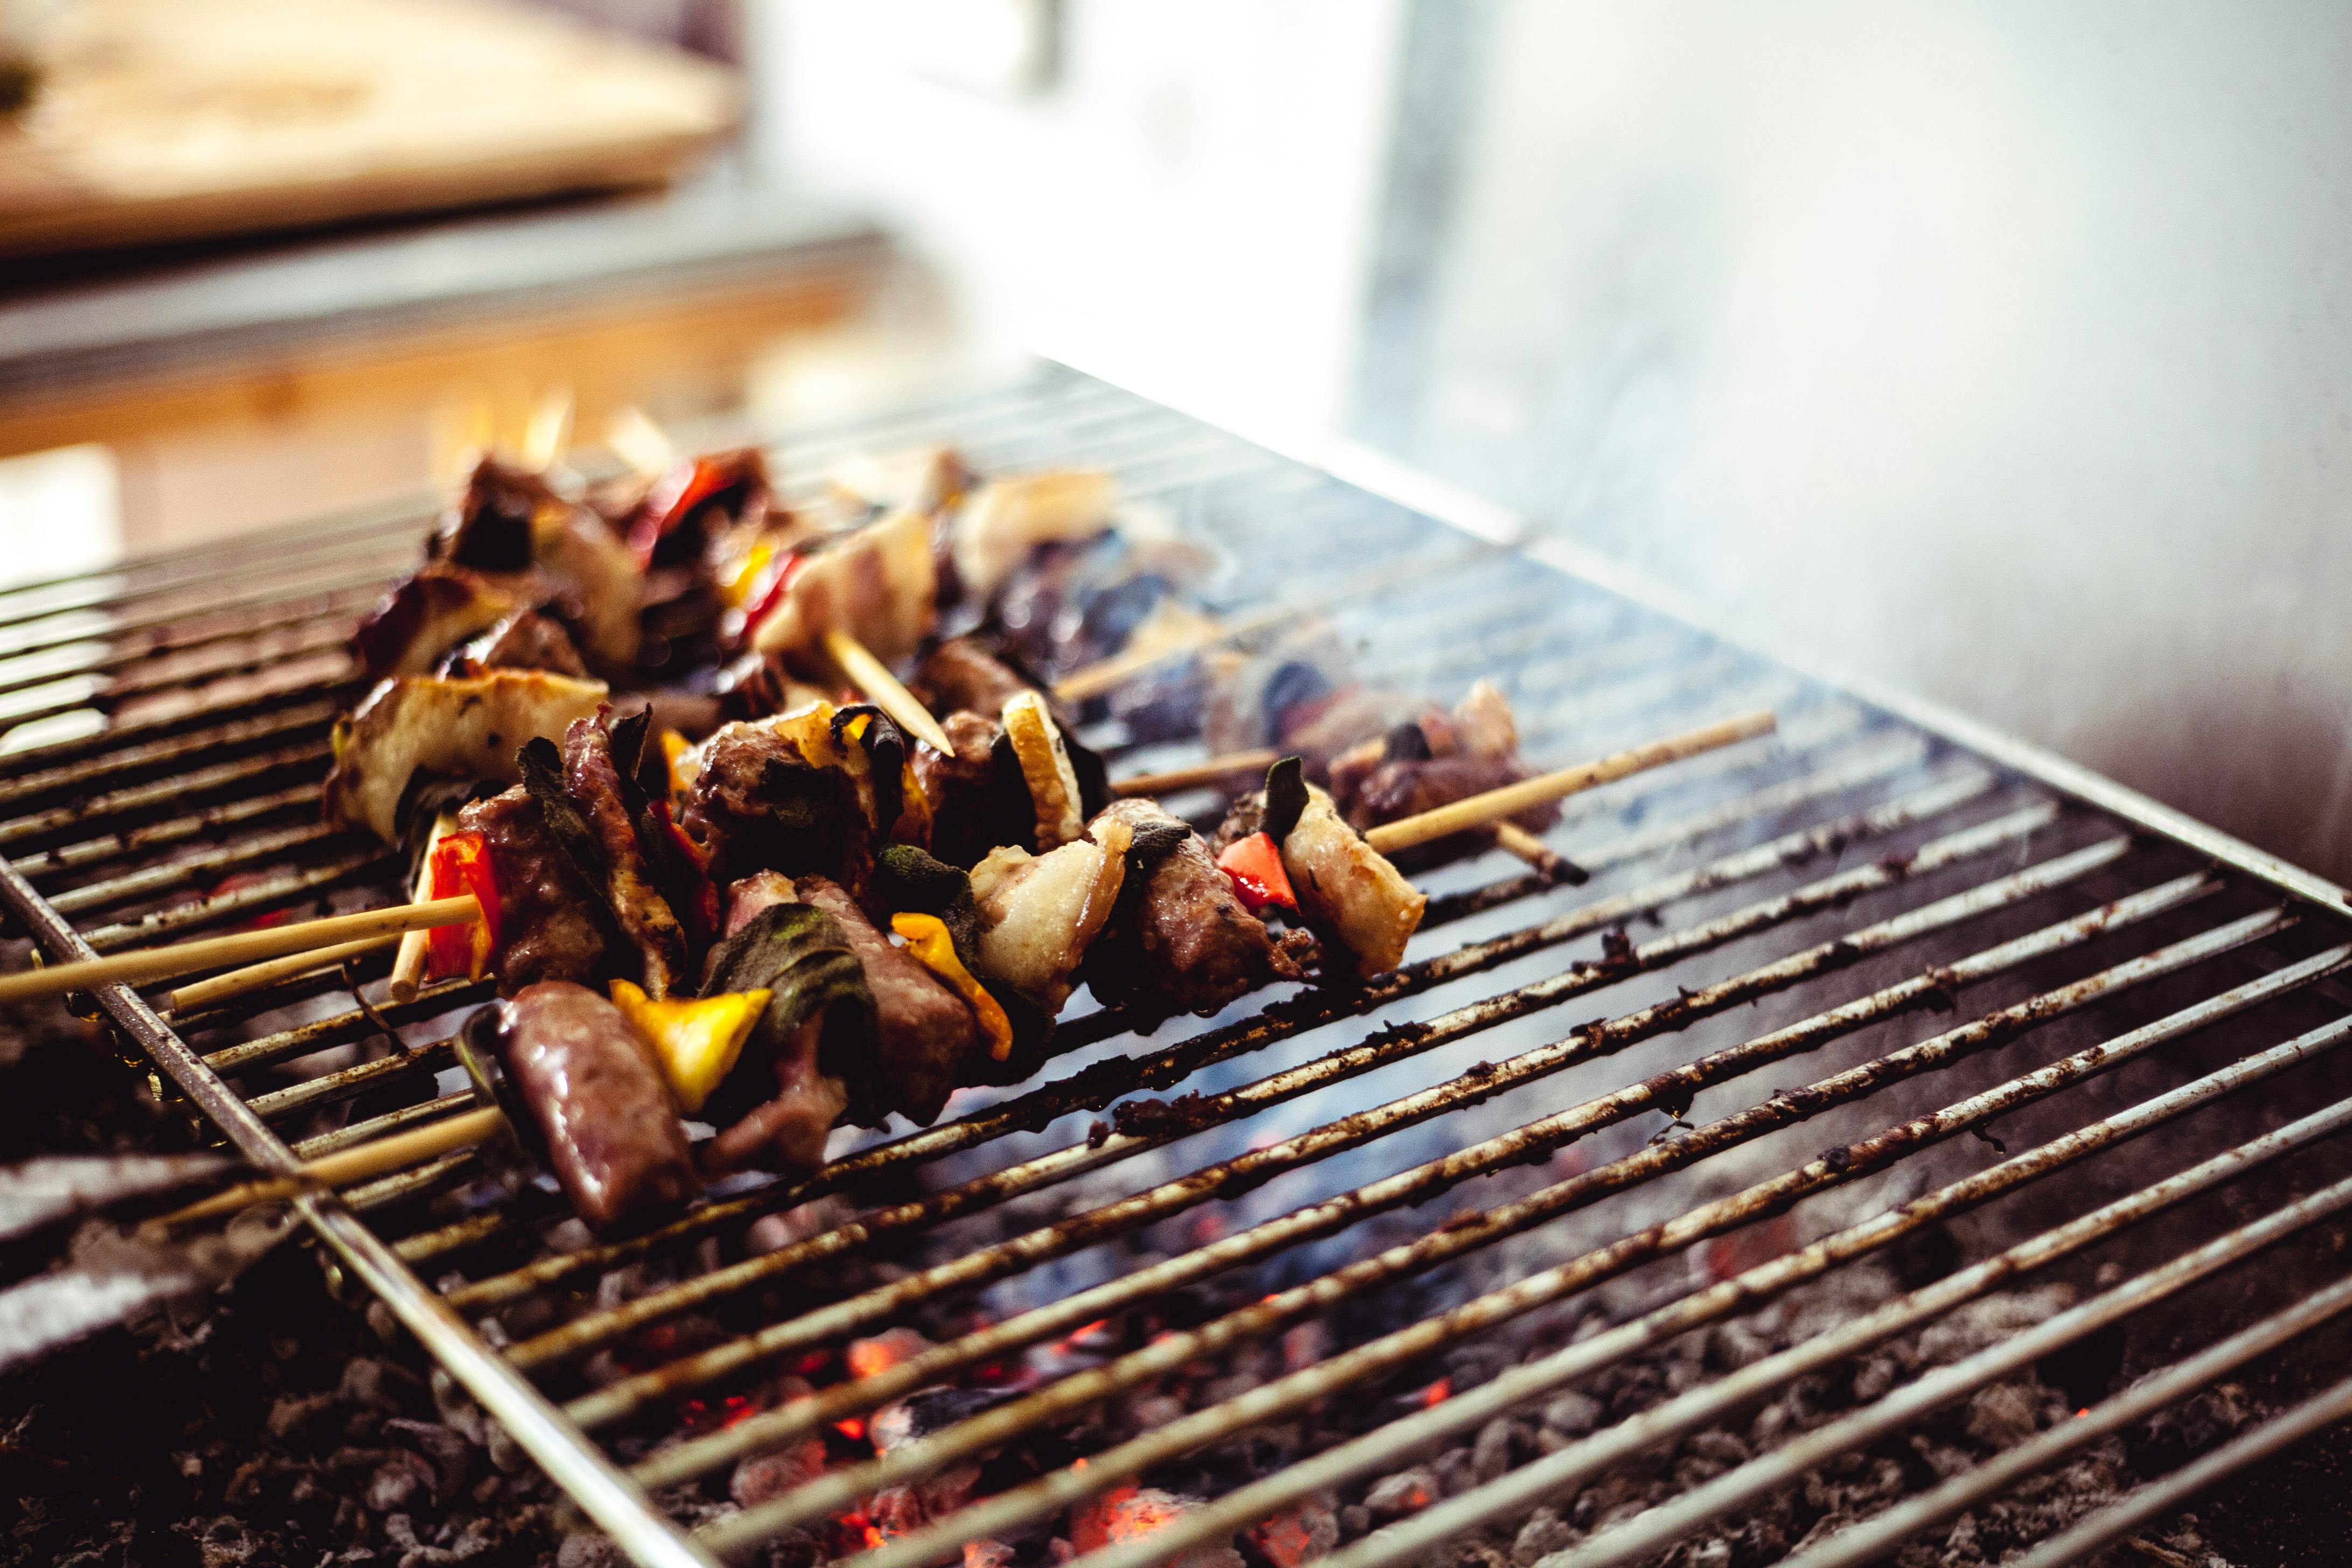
(162, 119)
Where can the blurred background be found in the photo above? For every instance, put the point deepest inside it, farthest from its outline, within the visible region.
(2000, 350)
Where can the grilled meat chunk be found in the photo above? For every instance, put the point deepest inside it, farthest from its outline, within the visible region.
(1005, 519)
(550, 926)
(1040, 912)
(545, 550)
(959, 788)
(591, 1084)
(523, 640)
(1434, 760)
(962, 674)
(648, 922)
(425, 615)
(1179, 940)
(756, 805)
(466, 729)
(1348, 892)
(924, 1033)
(878, 584)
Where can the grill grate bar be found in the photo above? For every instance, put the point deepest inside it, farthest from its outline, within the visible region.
(150, 880)
(1517, 1387)
(136, 841)
(1401, 1348)
(1393, 1045)
(1886, 1531)
(1414, 1186)
(140, 797)
(259, 896)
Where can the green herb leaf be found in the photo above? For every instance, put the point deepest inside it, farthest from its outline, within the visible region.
(543, 775)
(802, 955)
(886, 760)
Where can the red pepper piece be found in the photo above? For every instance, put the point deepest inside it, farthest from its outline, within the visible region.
(1255, 867)
(704, 894)
(460, 863)
(776, 591)
(671, 502)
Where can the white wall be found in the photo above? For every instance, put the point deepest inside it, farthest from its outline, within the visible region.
(1185, 210)
(2003, 349)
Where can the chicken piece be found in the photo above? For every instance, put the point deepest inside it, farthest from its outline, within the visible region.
(1347, 891)
(1005, 519)
(550, 926)
(648, 922)
(1039, 912)
(878, 584)
(926, 479)
(524, 641)
(591, 1086)
(425, 615)
(1179, 940)
(464, 728)
(923, 1032)
(511, 528)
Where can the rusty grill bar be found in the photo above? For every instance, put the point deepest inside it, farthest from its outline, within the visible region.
(1824, 897)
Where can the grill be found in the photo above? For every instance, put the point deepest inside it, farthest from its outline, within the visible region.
(1803, 968)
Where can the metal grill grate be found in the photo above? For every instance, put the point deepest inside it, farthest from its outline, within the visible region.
(1825, 906)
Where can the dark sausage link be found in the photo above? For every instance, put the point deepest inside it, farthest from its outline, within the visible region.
(612, 1134)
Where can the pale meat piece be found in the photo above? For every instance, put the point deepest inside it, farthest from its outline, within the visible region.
(462, 729)
(1349, 889)
(878, 584)
(524, 641)
(427, 613)
(1182, 942)
(601, 589)
(924, 1033)
(550, 926)
(1039, 912)
(604, 1112)
(1004, 519)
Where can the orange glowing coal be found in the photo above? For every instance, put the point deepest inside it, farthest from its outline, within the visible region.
(1437, 1392)
(1735, 1254)
(852, 1428)
(871, 1358)
(1128, 1512)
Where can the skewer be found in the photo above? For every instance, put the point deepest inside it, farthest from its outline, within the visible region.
(305, 937)
(640, 443)
(408, 967)
(1513, 839)
(1478, 810)
(550, 424)
(347, 1167)
(872, 677)
(1213, 770)
(392, 1152)
(237, 982)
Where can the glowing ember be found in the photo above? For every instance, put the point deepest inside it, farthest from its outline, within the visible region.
(1296, 1536)
(870, 1358)
(1437, 1392)
(853, 1428)
(1128, 1512)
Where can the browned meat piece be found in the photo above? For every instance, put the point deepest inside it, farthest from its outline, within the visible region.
(428, 614)
(785, 1133)
(760, 891)
(591, 1084)
(960, 673)
(924, 1032)
(645, 919)
(1182, 942)
(525, 640)
(547, 551)
(488, 528)
(550, 926)
(757, 805)
(1434, 760)
(957, 788)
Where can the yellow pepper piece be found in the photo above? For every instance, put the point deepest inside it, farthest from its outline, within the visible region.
(928, 942)
(736, 583)
(695, 1042)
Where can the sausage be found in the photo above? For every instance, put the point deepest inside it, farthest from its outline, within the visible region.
(1182, 942)
(589, 1080)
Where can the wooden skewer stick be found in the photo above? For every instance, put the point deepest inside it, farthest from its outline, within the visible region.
(237, 982)
(140, 968)
(640, 443)
(1513, 839)
(408, 966)
(1479, 810)
(544, 438)
(1213, 770)
(347, 1167)
(872, 677)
